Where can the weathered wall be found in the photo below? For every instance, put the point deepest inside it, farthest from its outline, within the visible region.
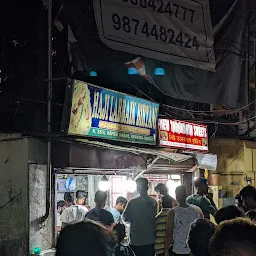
(22, 189)
(236, 163)
(14, 198)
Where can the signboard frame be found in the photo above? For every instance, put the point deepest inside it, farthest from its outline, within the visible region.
(128, 132)
(185, 137)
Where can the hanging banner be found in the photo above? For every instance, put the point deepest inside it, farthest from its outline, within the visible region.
(176, 31)
(102, 113)
(183, 135)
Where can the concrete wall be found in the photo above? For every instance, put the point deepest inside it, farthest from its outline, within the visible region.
(14, 198)
(236, 164)
(23, 177)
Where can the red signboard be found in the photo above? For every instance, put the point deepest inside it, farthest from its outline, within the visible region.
(183, 135)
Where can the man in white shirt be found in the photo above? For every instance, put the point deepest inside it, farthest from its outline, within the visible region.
(179, 221)
(140, 213)
(75, 213)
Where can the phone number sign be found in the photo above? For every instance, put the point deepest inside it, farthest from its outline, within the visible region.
(176, 31)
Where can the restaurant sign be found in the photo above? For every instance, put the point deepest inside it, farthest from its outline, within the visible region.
(183, 135)
(106, 114)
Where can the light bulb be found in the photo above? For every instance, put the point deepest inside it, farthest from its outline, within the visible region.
(130, 185)
(104, 184)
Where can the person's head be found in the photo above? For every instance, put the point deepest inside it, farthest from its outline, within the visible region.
(201, 185)
(120, 204)
(120, 232)
(69, 198)
(85, 239)
(234, 238)
(181, 194)
(227, 213)
(161, 189)
(100, 199)
(200, 233)
(251, 215)
(166, 202)
(248, 195)
(142, 185)
(61, 205)
(80, 197)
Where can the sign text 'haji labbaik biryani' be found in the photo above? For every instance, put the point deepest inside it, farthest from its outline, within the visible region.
(183, 135)
(98, 112)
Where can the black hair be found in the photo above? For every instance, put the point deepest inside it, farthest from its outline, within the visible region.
(142, 184)
(200, 181)
(121, 200)
(80, 194)
(61, 203)
(100, 197)
(227, 213)
(166, 201)
(200, 233)
(181, 193)
(248, 191)
(120, 231)
(69, 197)
(161, 188)
(234, 237)
(85, 239)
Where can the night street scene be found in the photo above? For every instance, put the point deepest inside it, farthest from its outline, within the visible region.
(128, 128)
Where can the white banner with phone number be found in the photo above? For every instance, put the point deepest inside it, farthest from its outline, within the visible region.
(175, 31)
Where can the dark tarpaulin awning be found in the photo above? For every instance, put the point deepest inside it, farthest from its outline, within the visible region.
(227, 86)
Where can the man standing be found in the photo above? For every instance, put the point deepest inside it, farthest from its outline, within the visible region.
(161, 224)
(69, 198)
(119, 208)
(99, 213)
(140, 213)
(248, 196)
(161, 191)
(179, 221)
(61, 206)
(203, 199)
(75, 213)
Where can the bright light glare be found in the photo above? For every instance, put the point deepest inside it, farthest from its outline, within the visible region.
(195, 178)
(104, 184)
(175, 177)
(130, 185)
(172, 185)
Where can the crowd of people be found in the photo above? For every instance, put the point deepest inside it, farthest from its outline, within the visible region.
(162, 227)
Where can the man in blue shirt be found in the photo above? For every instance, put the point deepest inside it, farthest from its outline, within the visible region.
(118, 209)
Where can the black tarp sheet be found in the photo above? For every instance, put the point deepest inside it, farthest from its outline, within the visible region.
(227, 86)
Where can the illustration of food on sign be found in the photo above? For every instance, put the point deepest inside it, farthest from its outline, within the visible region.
(80, 117)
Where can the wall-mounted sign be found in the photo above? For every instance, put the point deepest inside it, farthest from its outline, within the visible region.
(98, 112)
(176, 31)
(183, 135)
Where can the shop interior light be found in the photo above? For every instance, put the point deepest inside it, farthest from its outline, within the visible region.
(132, 71)
(175, 177)
(93, 73)
(130, 185)
(104, 184)
(159, 72)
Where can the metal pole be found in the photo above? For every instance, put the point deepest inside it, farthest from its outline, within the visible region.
(49, 110)
(49, 118)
